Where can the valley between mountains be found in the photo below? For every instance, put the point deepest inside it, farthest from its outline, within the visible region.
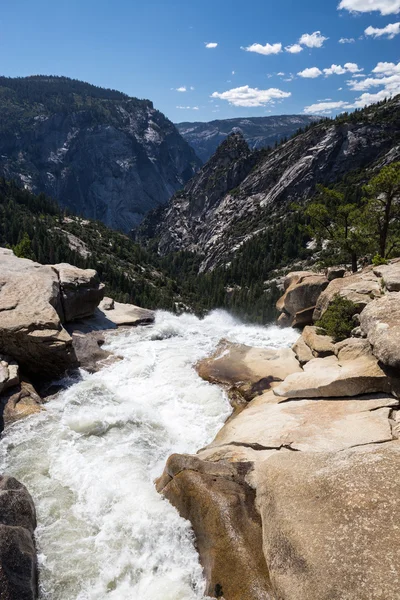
(199, 351)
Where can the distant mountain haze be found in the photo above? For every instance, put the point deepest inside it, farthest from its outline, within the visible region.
(98, 152)
(259, 132)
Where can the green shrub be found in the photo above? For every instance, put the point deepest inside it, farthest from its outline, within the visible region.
(378, 260)
(337, 321)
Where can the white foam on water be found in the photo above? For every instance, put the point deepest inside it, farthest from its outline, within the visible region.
(91, 458)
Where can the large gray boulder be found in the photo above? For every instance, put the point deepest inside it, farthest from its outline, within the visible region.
(81, 291)
(18, 564)
(380, 322)
(30, 317)
(302, 290)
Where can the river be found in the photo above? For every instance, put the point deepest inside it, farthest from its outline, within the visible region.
(90, 459)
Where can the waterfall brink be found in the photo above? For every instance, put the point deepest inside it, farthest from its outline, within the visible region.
(90, 460)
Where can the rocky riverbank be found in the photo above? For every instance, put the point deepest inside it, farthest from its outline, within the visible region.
(295, 499)
(52, 320)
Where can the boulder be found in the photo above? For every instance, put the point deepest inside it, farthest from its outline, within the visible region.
(320, 345)
(330, 523)
(30, 317)
(81, 291)
(335, 273)
(125, 314)
(390, 275)
(302, 351)
(18, 402)
(9, 373)
(310, 425)
(18, 564)
(302, 290)
(361, 288)
(249, 370)
(220, 505)
(333, 377)
(303, 318)
(380, 322)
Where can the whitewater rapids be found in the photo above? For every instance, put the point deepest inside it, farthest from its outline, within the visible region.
(90, 459)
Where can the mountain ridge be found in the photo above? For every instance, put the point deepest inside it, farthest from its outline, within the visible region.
(259, 132)
(99, 152)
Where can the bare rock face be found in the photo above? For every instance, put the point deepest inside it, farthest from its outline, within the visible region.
(302, 292)
(361, 288)
(330, 523)
(320, 345)
(302, 351)
(335, 377)
(81, 291)
(125, 314)
(380, 322)
(9, 373)
(249, 370)
(30, 317)
(18, 565)
(220, 504)
(390, 275)
(310, 425)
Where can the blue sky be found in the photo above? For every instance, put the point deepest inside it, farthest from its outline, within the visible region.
(271, 57)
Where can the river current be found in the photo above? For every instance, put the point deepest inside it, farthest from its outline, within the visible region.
(90, 459)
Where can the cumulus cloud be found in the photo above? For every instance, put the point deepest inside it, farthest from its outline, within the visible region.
(294, 49)
(265, 50)
(387, 68)
(251, 97)
(183, 88)
(210, 44)
(339, 70)
(310, 73)
(313, 40)
(390, 31)
(347, 41)
(385, 7)
(324, 107)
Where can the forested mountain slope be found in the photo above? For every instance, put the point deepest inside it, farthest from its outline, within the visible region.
(259, 132)
(99, 152)
(260, 200)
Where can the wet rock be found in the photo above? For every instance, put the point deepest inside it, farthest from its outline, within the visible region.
(125, 314)
(81, 291)
(18, 565)
(30, 317)
(220, 505)
(19, 402)
(380, 322)
(249, 370)
(330, 523)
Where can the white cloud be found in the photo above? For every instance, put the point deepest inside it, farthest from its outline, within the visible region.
(358, 75)
(265, 50)
(250, 97)
(281, 74)
(294, 49)
(313, 40)
(347, 41)
(324, 107)
(233, 72)
(386, 68)
(183, 88)
(390, 31)
(192, 88)
(335, 70)
(339, 70)
(211, 44)
(310, 73)
(385, 7)
(188, 107)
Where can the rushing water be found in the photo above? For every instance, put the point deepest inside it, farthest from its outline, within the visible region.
(90, 460)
